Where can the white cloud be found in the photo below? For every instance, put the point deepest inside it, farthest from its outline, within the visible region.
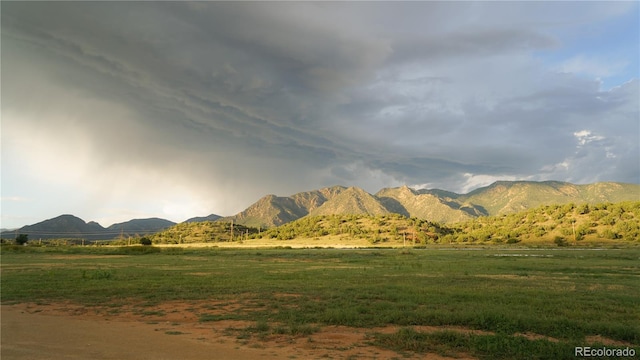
(586, 136)
(474, 181)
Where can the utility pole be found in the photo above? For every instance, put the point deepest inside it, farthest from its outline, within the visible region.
(231, 230)
(573, 226)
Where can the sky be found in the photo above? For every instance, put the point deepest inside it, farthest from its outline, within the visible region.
(118, 110)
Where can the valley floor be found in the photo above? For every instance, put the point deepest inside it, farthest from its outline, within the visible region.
(147, 302)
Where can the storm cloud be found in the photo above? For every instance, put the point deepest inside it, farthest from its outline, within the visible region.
(114, 110)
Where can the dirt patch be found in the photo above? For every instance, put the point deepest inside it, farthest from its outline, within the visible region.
(320, 267)
(173, 330)
(459, 329)
(606, 341)
(40, 336)
(200, 274)
(287, 295)
(534, 336)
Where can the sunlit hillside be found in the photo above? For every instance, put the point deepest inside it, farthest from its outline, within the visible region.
(553, 224)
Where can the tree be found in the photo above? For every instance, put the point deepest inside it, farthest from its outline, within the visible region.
(22, 239)
(145, 241)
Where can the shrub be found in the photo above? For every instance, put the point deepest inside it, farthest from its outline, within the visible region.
(608, 234)
(22, 239)
(560, 241)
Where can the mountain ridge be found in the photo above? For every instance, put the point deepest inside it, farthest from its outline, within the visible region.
(141, 225)
(72, 227)
(499, 198)
(210, 217)
(272, 210)
(352, 200)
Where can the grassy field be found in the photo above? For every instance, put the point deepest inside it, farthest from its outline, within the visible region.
(533, 303)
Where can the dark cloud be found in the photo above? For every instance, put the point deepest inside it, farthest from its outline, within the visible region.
(225, 102)
(473, 43)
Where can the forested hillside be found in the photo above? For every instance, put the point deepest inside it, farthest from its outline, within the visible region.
(569, 222)
(196, 232)
(559, 224)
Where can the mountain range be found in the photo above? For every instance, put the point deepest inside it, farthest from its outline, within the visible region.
(69, 226)
(502, 197)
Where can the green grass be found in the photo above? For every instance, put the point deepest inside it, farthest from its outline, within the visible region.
(565, 294)
(451, 343)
